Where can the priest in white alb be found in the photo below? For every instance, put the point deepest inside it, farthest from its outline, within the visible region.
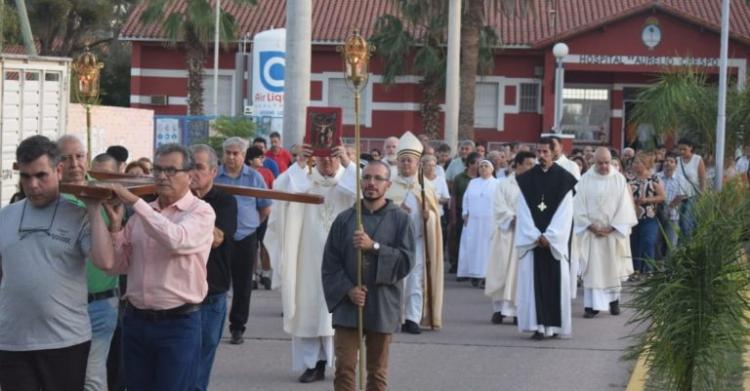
(295, 241)
(478, 227)
(502, 258)
(603, 215)
(406, 192)
(544, 221)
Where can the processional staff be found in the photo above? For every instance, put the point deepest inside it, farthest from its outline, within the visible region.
(356, 55)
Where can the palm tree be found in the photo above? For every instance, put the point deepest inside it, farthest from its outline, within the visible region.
(190, 25)
(684, 103)
(475, 36)
(421, 29)
(394, 40)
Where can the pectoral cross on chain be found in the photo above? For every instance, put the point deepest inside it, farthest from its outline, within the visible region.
(542, 206)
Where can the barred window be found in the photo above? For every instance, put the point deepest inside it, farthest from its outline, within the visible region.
(529, 98)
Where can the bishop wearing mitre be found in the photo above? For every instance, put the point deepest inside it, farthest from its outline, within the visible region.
(406, 192)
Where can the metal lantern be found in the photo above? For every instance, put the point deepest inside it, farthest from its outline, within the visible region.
(87, 70)
(356, 53)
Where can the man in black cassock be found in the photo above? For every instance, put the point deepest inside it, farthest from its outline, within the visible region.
(544, 223)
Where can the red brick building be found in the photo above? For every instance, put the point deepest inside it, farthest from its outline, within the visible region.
(616, 47)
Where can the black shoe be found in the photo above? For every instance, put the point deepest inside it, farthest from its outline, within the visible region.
(461, 279)
(589, 313)
(254, 285)
(453, 269)
(410, 327)
(266, 282)
(237, 338)
(312, 374)
(614, 307)
(475, 282)
(515, 321)
(497, 318)
(537, 336)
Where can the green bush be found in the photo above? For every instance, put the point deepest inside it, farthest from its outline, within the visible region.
(226, 127)
(693, 307)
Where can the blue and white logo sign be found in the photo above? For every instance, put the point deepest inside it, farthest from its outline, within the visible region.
(269, 60)
(272, 70)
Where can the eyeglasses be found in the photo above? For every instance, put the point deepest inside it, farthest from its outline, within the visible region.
(168, 171)
(376, 178)
(25, 232)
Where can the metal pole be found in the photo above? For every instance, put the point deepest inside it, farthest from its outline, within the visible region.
(28, 38)
(216, 59)
(559, 83)
(453, 79)
(722, 110)
(360, 310)
(297, 70)
(88, 132)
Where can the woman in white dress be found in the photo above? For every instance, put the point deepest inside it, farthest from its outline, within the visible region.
(478, 224)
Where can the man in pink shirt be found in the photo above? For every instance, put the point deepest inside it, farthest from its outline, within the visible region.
(164, 250)
(281, 156)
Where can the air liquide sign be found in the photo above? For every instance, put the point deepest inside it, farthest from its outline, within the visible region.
(269, 56)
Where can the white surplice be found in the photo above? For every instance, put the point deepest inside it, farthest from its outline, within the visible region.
(475, 237)
(604, 200)
(295, 240)
(558, 234)
(575, 262)
(502, 259)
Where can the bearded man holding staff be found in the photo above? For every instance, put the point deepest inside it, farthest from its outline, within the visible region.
(603, 215)
(406, 193)
(295, 241)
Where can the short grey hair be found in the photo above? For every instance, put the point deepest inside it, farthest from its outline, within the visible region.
(187, 157)
(236, 141)
(382, 164)
(467, 143)
(493, 154)
(69, 138)
(213, 159)
(429, 158)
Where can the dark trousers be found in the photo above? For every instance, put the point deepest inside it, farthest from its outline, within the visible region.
(61, 369)
(244, 255)
(213, 313)
(161, 355)
(643, 243)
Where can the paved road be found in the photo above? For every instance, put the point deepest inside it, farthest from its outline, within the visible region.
(469, 353)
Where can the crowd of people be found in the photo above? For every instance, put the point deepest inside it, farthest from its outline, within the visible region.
(134, 292)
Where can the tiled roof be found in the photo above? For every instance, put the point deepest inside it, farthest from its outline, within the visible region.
(334, 19)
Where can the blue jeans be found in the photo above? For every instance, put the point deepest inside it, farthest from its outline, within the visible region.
(643, 243)
(161, 355)
(103, 315)
(687, 217)
(213, 314)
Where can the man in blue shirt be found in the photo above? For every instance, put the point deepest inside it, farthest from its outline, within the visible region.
(251, 212)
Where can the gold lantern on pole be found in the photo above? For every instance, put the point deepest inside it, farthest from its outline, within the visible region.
(356, 55)
(87, 71)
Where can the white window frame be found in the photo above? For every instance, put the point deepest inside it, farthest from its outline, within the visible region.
(365, 97)
(499, 102)
(210, 74)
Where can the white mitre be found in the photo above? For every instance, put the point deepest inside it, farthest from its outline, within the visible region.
(410, 144)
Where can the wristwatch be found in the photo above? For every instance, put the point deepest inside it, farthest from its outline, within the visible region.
(376, 246)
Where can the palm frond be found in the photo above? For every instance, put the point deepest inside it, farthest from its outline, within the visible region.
(488, 42)
(393, 43)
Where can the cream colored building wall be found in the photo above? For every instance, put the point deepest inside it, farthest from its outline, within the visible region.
(129, 127)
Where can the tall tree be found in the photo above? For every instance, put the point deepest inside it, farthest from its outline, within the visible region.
(192, 28)
(396, 39)
(474, 34)
(414, 41)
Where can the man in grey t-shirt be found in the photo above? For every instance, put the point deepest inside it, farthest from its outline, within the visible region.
(44, 241)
